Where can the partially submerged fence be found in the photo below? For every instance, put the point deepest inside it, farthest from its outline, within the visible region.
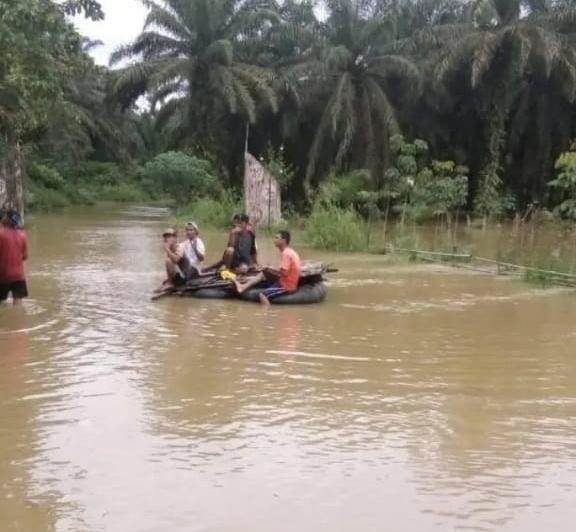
(488, 266)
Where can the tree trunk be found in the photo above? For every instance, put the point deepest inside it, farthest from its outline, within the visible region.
(12, 179)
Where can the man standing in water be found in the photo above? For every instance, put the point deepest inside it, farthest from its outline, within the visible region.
(286, 278)
(13, 254)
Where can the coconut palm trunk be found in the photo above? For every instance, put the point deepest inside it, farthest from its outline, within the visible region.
(11, 178)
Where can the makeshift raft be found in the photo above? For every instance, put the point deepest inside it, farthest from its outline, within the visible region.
(312, 288)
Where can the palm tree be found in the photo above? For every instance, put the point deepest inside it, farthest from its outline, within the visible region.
(360, 84)
(186, 62)
(507, 49)
(84, 118)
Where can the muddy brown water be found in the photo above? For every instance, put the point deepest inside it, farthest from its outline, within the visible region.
(417, 398)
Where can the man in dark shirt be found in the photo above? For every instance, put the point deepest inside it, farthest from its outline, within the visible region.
(241, 245)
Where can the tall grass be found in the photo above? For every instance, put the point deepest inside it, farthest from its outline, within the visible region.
(334, 228)
(210, 212)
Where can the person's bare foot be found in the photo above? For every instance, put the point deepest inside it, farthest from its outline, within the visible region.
(264, 301)
(166, 285)
(239, 287)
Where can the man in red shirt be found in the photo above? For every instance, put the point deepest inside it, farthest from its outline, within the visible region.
(13, 253)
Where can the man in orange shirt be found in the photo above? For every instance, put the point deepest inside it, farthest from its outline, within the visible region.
(287, 277)
(13, 253)
(289, 273)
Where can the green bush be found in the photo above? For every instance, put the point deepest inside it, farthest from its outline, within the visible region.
(82, 184)
(45, 176)
(565, 185)
(122, 192)
(335, 228)
(210, 212)
(183, 177)
(39, 198)
(94, 173)
(346, 189)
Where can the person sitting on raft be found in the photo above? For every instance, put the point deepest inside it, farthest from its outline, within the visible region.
(284, 280)
(183, 261)
(175, 264)
(241, 247)
(193, 250)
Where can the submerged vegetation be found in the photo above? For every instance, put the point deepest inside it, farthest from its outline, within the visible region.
(369, 111)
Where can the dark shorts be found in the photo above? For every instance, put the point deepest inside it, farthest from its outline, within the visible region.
(18, 289)
(179, 279)
(274, 291)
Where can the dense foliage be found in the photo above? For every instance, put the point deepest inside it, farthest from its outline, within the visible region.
(488, 85)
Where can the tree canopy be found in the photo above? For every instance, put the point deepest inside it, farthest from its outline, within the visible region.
(489, 84)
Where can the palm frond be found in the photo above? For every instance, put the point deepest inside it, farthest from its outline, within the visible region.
(344, 113)
(221, 52)
(260, 81)
(133, 79)
(397, 66)
(165, 20)
(151, 44)
(165, 91)
(339, 103)
(483, 57)
(381, 106)
(245, 101)
(566, 75)
(176, 107)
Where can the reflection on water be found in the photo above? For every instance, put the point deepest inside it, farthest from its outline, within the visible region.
(416, 398)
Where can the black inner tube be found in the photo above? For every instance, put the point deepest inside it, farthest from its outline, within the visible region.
(305, 295)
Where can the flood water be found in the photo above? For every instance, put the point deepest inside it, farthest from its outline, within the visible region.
(417, 398)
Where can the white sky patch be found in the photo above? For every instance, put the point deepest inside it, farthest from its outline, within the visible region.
(123, 23)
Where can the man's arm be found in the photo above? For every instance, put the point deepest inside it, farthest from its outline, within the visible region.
(232, 238)
(285, 264)
(24, 247)
(199, 249)
(272, 271)
(254, 250)
(174, 256)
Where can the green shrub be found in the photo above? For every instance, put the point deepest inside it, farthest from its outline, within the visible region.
(210, 212)
(39, 198)
(183, 177)
(121, 192)
(82, 184)
(565, 184)
(335, 228)
(94, 173)
(45, 176)
(346, 189)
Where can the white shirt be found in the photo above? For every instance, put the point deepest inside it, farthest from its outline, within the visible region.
(186, 249)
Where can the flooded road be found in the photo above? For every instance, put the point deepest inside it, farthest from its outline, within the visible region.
(417, 398)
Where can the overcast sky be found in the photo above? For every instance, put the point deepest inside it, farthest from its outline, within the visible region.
(124, 21)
